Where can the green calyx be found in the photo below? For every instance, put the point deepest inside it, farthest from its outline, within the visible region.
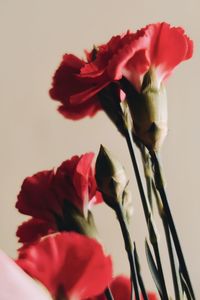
(74, 220)
(149, 112)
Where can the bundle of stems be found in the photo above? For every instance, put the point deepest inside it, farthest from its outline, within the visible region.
(155, 190)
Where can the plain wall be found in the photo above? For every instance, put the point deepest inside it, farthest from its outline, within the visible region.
(34, 36)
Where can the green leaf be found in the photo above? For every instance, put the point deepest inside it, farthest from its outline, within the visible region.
(153, 268)
(185, 287)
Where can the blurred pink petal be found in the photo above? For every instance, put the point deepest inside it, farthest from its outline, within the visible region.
(15, 284)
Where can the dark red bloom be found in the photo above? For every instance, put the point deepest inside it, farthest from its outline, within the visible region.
(45, 195)
(37, 197)
(69, 265)
(67, 82)
(76, 83)
(33, 229)
(121, 290)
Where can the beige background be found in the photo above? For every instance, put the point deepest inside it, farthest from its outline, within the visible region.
(34, 35)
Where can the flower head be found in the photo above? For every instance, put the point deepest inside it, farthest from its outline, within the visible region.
(58, 200)
(69, 265)
(153, 54)
(137, 63)
(112, 182)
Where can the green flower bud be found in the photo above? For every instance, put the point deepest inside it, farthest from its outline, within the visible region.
(110, 176)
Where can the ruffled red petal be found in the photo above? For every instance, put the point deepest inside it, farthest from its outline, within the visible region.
(129, 47)
(169, 46)
(33, 229)
(42, 196)
(63, 80)
(69, 262)
(81, 175)
(77, 95)
(36, 197)
(77, 112)
(97, 67)
(158, 46)
(75, 181)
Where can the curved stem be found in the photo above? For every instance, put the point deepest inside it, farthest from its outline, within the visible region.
(145, 204)
(128, 247)
(172, 260)
(174, 270)
(147, 172)
(140, 279)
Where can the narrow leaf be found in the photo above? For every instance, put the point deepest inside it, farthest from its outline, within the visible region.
(153, 268)
(185, 287)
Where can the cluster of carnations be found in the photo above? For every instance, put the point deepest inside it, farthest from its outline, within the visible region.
(61, 249)
(60, 242)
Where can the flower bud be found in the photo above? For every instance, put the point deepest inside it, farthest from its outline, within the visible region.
(110, 176)
(149, 112)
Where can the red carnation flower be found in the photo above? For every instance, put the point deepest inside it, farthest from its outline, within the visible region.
(76, 83)
(69, 265)
(45, 196)
(131, 55)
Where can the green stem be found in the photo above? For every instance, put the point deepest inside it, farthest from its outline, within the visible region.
(147, 172)
(167, 211)
(152, 190)
(108, 294)
(149, 191)
(172, 260)
(147, 212)
(174, 270)
(139, 275)
(128, 247)
(145, 204)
